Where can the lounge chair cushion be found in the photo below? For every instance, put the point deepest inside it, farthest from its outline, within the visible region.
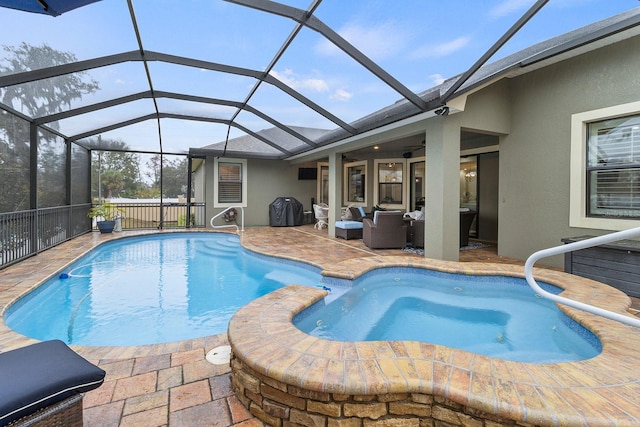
(375, 215)
(40, 375)
(348, 225)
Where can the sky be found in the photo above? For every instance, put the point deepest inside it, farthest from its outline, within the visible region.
(419, 42)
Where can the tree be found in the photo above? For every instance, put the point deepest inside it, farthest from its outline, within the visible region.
(153, 167)
(115, 169)
(34, 99)
(14, 163)
(44, 96)
(113, 182)
(174, 175)
(51, 173)
(174, 178)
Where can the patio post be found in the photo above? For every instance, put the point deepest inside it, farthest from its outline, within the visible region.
(442, 210)
(335, 191)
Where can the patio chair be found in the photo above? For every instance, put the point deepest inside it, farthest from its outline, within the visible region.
(358, 213)
(386, 230)
(321, 212)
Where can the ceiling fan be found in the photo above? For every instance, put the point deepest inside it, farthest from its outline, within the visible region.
(413, 149)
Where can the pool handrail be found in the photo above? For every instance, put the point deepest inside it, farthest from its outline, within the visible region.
(238, 229)
(583, 244)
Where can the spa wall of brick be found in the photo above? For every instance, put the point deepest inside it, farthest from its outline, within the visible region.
(282, 405)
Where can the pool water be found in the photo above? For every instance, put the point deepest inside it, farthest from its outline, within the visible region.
(153, 289)
(495, 316)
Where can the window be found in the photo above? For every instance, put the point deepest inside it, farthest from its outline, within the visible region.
(613, 168)
(355, 183)
(605, 168)
(230, 185)
(417, 184)
(229, 182)
(322, 195)
(390, 189)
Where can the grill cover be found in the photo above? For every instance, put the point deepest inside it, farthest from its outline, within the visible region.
(285, 212)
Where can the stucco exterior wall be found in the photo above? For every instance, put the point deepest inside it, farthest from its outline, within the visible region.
(267, 179)
(487, 110)
(534, 156)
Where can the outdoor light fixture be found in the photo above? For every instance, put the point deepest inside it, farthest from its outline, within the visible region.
(444, 111)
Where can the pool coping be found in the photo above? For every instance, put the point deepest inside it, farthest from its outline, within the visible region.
(602, 390)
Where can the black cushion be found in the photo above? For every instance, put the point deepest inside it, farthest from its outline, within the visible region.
(42, 374)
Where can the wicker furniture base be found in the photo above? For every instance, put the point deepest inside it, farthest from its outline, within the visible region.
(35, 379)
(386, 231)
(349, 233)
(349, 229)
(66, 413)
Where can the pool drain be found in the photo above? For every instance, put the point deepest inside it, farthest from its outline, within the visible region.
(219, 355)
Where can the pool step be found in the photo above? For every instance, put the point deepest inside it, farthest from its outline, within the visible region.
(227, 244)
(228, 252)
(287, 277)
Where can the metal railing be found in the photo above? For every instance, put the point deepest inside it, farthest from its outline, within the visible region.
(16, 229)
(228, 218)
(161, 215)
(570, 247)
(25, 233)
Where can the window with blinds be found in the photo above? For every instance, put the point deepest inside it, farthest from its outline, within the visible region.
(229, 182)
(613, 168)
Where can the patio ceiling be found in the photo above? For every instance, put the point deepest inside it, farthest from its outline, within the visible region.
(241, 77)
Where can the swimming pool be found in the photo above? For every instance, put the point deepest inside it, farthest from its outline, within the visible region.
(497, 316)
(152, 289)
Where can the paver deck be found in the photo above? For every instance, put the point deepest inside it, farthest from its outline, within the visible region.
(172, 384)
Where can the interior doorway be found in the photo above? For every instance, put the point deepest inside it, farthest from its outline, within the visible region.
(469, 188)
(479, 182)
(488, 175)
